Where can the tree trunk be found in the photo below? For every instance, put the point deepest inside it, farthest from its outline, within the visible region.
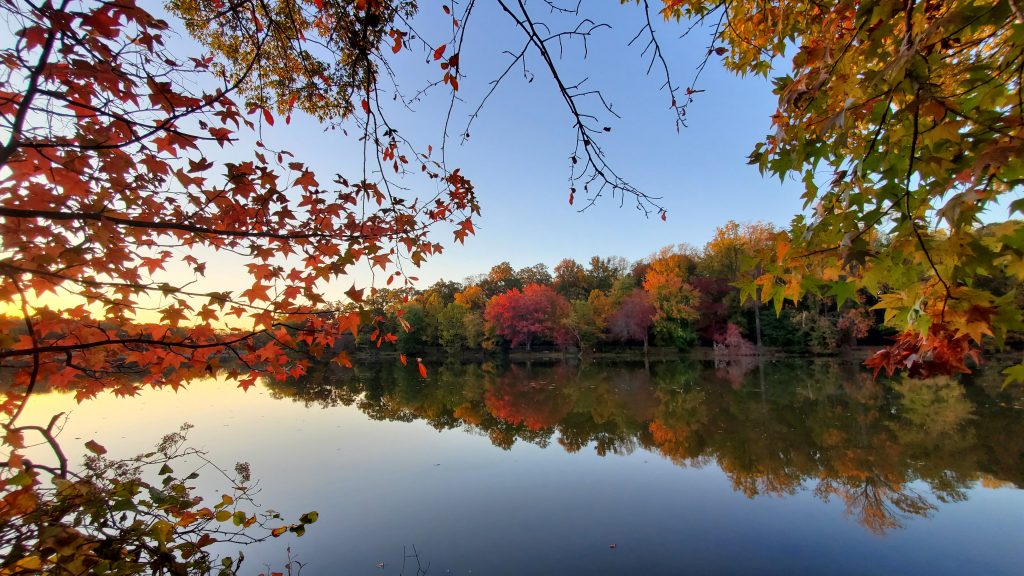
(757, 318)
(645, 346)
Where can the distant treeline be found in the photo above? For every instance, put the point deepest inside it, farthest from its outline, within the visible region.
(678, 297)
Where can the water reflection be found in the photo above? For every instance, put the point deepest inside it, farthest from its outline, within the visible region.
(888, 450)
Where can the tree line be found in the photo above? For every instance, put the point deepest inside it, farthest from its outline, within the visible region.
(678, 297)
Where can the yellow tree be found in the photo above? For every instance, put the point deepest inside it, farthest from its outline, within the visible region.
(736, 252)
(675, 301)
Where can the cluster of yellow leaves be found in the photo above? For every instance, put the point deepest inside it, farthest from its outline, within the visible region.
(905, 123)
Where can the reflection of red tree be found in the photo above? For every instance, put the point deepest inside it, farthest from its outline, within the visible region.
(537, 405)
(734, 370)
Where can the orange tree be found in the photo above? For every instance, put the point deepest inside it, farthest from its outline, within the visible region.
(113, 198)
(114, 195)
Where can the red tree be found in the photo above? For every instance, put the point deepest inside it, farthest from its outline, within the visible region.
(520, 317)
(633, 319)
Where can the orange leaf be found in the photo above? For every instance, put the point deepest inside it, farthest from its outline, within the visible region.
(95, 448)
(439, 52)
(343, 360)
(354, 294)
(423, 369)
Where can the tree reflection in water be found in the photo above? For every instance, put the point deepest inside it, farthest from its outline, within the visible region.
(775, 428)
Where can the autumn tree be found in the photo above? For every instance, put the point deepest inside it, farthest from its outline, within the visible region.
(584, 324)
(902, 119)
(602, 306)
(444, 291)
(520, 317)
(675, 301)
(633, 318)
(570, 280)
(472, 297)
(737, 253)
(501, 278)
(536, 274)
(452, 328)
(125, 166)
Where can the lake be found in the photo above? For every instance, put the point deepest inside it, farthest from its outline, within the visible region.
(783, 467)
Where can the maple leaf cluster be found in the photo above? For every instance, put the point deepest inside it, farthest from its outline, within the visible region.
(904, 122)
(116, 198)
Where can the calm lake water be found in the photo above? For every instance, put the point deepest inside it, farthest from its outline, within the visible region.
(792, 467)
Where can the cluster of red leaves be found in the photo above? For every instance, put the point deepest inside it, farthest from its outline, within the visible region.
(109, 199)
(941, 351)
(535, 312)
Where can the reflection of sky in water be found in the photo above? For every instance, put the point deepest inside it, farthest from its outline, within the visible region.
(467, 505)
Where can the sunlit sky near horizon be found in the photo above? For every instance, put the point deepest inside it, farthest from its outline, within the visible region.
(518, 152)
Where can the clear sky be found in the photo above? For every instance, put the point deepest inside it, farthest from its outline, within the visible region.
(518, 153)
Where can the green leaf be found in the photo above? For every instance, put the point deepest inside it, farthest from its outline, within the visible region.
(1014, 374)
(222, 515)
(309, 517)
(165, 469)
(842, 291)
(21, 479)
(1017, 206)
(778, 298)
(748, 291)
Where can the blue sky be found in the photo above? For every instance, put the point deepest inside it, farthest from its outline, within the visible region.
(518, 153)
(518, 156)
